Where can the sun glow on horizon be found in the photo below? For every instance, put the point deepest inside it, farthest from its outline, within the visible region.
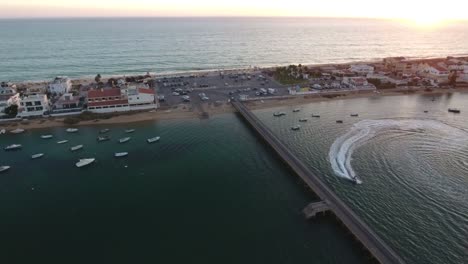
(424, 13)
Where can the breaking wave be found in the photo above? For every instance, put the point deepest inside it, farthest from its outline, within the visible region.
(342, 149)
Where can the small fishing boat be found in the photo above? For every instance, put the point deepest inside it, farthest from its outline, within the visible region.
(75, 148)
(339, 121)
(152, 140)
(103, 138)
(72, 130)
(129, 131)
(84, 162)
(62, 141)
(354, 115)
(123, 140)
(13, 147)
(120, 154)
(4, 168)
(17, 131)
(3, 131)
(279, 114)
(316, 116)
(37, 156)
(47, 136)
(454, 110)
(103, 131)
(296, 110)
(295, 128)
(303, 120)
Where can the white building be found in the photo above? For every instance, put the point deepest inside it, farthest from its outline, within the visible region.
(358, 83)
(33, 105)
(386, 79)
(60, 85)
(435, 71)
(7, 91)
(120, 100)
(140, 98)
(361, 69)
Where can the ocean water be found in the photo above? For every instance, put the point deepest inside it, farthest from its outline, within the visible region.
(42, 49)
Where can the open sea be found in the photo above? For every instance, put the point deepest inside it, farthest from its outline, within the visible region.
(211, 192)
(41, 49)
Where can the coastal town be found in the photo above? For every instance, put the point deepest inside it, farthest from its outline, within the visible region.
(72, 100)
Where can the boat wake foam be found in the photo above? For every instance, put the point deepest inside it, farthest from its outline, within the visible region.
(341, 151)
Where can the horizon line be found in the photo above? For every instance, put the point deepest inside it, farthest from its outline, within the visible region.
(208, 16)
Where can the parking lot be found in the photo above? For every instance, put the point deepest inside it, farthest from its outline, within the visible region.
(214, 87)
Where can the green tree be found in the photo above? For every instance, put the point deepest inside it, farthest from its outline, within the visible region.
(11, 111)
(97, 78)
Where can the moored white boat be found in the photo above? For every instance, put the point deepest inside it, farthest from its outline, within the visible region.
(152, 140)
(103, 131)
(47, 136)
(120, 154)
(4, 168)
(72, 130)
(62, 141)
(17, 131)
(13, 147)
(75, 148)
(279, 114)
(123, 140)
(129, 131)
(296, 110)
(103, 138)
(84, 162)
(37, 156)
(3, 131)
(303, 120)
(316, 116)
(296, 127)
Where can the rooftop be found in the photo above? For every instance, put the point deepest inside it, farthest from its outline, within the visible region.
(106, 103)
(104, 93)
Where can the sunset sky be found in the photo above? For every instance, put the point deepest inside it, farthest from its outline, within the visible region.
(418, 10)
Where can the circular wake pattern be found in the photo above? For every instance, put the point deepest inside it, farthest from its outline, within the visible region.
(341, 151)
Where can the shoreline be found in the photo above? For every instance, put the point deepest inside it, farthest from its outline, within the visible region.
(187, 112)
(90, 78)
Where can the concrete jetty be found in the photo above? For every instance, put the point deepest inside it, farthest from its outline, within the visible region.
(362, 232)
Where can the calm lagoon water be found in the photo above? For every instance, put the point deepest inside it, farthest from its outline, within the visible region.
(211, 192)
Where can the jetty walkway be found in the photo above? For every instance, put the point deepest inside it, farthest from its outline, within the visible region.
(330, 201)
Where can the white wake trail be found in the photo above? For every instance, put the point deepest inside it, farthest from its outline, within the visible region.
(342, 149)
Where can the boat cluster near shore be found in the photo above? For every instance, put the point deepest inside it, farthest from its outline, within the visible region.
(82, 162)
(303, 120)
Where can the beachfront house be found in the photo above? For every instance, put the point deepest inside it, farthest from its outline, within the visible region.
(140, 98)
(67, 103)
(432, 70)
(120, 100)
(361, 69)
(359, 83)
(33, 105)
(107, 101)
(387, 79)
(60, 85)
